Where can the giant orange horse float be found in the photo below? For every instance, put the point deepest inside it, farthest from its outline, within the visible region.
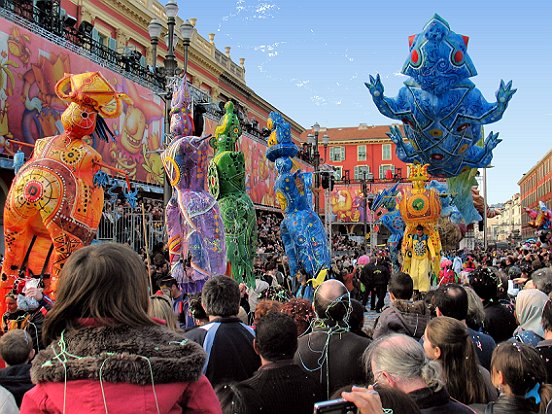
(54, 205)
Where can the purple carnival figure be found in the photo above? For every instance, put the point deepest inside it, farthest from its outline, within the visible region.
(197, 249)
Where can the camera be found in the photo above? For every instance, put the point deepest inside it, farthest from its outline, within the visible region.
(338, 406)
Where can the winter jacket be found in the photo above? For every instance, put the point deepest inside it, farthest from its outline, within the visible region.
(375, 274)
(526, 337)
(438, 402)
(344, 355)
(231, 356)
(7, 402)
(138, 370)
(545, 351)
(280, 387)
(17, 380)
(511, 405)
(484, 347)
(406, 317)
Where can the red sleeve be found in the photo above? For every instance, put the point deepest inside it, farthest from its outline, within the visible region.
(33, 400)
(200, 398)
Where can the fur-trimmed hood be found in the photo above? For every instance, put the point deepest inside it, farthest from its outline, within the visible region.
(122, 354)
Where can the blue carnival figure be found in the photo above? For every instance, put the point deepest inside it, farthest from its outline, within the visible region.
(391, 220)
(302, 230)
(441, 109)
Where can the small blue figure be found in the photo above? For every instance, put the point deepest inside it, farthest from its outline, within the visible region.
(448, 209)
(301, 230)
(391, 220)
(101, 179)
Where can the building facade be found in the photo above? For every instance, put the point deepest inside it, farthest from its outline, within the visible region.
(535, 186)
(506, 227)
(359, 152)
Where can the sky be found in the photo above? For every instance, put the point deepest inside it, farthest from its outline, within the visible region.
(310, 60)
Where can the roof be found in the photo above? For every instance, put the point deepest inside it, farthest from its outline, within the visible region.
(358, 133)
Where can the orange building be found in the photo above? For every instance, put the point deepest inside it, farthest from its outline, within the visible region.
(535, 186)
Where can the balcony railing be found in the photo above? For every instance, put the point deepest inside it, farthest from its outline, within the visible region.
(50, 23)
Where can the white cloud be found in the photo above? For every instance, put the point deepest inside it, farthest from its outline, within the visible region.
(318, 100)
(301, 83)
(265, 10)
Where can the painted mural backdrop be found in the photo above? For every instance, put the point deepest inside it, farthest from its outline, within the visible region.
(30, 66)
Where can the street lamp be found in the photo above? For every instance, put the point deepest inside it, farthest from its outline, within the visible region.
(170, 70)
(316, 164)
(325, 142)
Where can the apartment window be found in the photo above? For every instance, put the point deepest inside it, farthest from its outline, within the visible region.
(337, 154)
(338, 172)
(384, 168)
(360, 170)
(361, 153)
(386, 152)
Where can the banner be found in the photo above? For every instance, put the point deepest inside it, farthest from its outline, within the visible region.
(30, 66)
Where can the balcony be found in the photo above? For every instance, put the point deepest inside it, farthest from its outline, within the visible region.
(50, 21)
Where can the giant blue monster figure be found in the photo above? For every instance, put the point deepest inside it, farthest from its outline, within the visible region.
(302, 230)
(441, 109)
(392, 220)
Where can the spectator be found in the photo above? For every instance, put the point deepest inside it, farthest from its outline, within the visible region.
(160, 308)
(545, 346)
(265, 306)
(330, 351)
(476, 312)
(301, 312)
(499, 322)
(398, 361)
(16, 349)
(447, 340)
(356, 320)
(7, 402)
(227, 341)
(376, 275)
(519, 376)
(529, 306)
(169, 286)
(98, 328)
(13, 318)
(542, 280)
(452, 300)
(393, 400)
(279, 386)
(403, 315)
(196, 311)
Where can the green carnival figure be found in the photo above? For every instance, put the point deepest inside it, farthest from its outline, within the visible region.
(226, 178)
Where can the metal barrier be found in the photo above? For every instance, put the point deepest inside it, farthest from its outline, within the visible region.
(126, 225)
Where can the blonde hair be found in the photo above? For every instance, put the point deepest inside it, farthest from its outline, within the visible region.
(161, 308)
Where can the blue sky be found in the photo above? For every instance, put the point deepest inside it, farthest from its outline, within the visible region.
(311, 58)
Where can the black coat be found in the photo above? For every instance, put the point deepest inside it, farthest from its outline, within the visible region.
(344, 354)
(511, 405)
(438, 402)
(375, 274)
(499, 322)
(545, 351)
(17, 380)
(280, 387)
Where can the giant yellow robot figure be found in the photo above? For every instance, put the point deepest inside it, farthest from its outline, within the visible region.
(421, 247)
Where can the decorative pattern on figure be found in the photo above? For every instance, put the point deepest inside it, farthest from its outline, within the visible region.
(420, 206)
(302, 231)
(226, 182)
(197, 248)
(541, 219)
(392, 220)
(54, 206)
(441, 109)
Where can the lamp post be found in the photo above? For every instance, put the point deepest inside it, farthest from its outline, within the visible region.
(316, 164)
(365, 195)
(170, 72)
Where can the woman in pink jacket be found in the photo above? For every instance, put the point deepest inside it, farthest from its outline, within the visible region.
(105, 354)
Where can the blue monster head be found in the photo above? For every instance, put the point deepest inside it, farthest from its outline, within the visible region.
(438, 57)
(280, 143)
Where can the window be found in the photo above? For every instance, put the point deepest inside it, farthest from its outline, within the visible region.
(361, 153)
(337, 154)
(385, 167)
(338, 172)
(360, 170)
(386, 152)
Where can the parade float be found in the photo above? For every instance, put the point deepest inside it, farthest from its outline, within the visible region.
(302, 231)
(541, 221)
(226, 182)
(197, 248)
(55, 202)
(420, 207)
(443, 112)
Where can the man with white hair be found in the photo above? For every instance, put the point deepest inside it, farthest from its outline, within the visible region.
(330, 351)
(398, 361)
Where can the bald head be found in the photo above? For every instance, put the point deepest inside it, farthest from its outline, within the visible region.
(331, 300)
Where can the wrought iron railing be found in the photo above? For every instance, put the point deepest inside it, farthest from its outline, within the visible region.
(50, 20)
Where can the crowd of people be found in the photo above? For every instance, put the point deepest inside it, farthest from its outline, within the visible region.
(479, 341)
